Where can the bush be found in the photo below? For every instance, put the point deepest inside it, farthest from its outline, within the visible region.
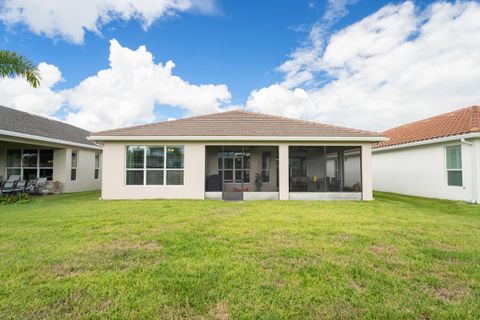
(14, 198)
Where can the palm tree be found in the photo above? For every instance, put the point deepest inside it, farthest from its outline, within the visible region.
(14, 64)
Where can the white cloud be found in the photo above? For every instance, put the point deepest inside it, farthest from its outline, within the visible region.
(397, 65)
(126, 93)
(306, 60)
(17, 92)
(70, 19)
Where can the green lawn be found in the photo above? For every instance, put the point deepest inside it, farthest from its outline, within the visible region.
(397, 257)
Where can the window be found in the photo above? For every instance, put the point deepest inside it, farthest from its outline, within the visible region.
(154, 165)
(73, 165)
(266, 159)
(454, 165)
(96, 173)
(233, 165)
(30, 164)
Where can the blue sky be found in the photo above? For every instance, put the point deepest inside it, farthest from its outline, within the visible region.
(240, 46)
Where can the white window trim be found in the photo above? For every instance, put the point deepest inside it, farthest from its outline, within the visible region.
(145, 169)
(76, 167)
(446, 164)
(97, 154)
(37, 167)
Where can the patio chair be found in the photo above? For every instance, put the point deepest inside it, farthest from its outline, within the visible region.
(14, 177)
(20, 186)
(41, 185)
(30, 187)
(8, 187)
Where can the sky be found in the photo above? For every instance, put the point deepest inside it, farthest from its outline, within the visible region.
(364, 64)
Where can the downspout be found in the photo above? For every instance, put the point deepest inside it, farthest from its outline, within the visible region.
(474, 169)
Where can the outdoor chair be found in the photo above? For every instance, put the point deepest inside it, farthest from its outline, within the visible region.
(41, 185)
(13, 177)
(20, 186)
(8, 187)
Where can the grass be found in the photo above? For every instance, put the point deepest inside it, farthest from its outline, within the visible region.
(396, 257)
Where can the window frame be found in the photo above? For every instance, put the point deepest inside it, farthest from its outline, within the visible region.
(144, 169)
(269, 169)
(96, 170)
(38, 168)
(76, 151)
(221, 170)
(447, 169)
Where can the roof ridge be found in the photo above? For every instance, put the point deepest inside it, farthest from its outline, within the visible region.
(146, 125)
(308, 121)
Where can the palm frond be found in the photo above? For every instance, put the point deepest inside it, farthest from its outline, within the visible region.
(13, 64)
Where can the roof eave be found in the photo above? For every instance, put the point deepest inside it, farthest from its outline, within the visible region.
(46, 139)
(236, 138)
(429, 141)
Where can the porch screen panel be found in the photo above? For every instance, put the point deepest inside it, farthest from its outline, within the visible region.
(30, 164)
(45, 164)
(14, 163)
(325, 169)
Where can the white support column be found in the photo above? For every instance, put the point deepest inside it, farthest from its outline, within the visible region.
(367, 185)
(283, 172)
(476, 173)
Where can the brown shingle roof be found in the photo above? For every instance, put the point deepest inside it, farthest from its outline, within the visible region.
(238, 123)
(466, 120)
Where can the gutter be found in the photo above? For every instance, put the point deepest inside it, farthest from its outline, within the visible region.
(474, 169)
(233, 138)
(45, 139)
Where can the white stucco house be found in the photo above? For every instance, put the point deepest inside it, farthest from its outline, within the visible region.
(237, 155)
(438, 157)
(32, 147)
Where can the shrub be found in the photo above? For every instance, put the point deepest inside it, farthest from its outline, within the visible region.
(14, 198)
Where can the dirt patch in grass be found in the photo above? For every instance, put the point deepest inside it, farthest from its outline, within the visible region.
(452, 293)
(219, 311)
(226, 211)
(116, 255)
(383, 249)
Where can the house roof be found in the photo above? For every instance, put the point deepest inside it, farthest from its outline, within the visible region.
(27, 124)
(462, 121)
(237, 123)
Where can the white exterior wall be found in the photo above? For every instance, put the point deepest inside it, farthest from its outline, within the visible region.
(85, 171)
(114, 173)
(421, 171)
(476, 160)
(114, 176)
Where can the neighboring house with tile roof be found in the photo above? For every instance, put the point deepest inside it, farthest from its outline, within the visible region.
(438, 157)
(32, 146)
(237, 155)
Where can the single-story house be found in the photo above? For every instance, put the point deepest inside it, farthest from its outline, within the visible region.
(237, 155)
(32, 146)
(438, 157)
